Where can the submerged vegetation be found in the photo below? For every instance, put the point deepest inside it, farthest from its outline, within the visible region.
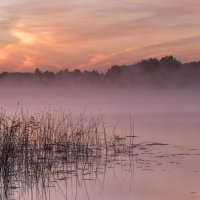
(38, 150)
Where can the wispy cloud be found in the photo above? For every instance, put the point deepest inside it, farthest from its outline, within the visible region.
(90, 33)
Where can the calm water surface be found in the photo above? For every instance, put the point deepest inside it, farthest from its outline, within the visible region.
(171, 172)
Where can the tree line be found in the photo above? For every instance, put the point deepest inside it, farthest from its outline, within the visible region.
(164, 72)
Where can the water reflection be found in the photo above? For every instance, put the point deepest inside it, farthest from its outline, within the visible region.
(46, 153)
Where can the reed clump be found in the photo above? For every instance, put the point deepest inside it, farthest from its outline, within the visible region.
(35, 147)
(41, 148)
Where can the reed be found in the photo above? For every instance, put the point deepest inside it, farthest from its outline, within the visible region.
(41, 148)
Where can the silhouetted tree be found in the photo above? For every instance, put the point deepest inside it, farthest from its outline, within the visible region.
(150, 72)
(38, 72)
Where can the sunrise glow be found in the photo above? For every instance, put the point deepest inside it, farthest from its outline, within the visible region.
(95, 34)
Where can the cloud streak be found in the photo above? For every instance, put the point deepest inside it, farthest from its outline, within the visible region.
(94, 33)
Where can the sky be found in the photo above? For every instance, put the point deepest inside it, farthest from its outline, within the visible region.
(95, 34)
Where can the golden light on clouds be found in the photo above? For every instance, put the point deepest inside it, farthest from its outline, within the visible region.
(25, 38)
(105, 57)
(95, 34)
(4, 52)
(28, 62)
(3, 55)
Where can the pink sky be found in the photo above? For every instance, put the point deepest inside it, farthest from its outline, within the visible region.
(95, 34)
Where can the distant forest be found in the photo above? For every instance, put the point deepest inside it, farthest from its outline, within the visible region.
(164, 72)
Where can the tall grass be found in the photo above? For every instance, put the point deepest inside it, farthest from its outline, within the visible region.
(38, 149)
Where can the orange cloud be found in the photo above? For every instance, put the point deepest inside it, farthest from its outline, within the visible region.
(3, 55)
(25, 38)
(5, 52)
(99, 58)
(94, 33)
(104, 57)
(28, 62)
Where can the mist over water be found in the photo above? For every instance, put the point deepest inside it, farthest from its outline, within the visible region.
(99, 100)
(168, 116)
(108, 100)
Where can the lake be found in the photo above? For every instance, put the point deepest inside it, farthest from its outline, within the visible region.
(166, 164)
